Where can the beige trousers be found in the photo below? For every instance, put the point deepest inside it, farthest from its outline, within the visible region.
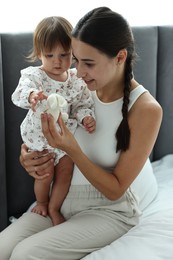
(93, 222)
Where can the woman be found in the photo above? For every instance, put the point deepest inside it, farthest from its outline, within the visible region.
(101, 204)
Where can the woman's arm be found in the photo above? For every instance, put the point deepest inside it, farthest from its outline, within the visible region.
(144, 119)
(37, 164)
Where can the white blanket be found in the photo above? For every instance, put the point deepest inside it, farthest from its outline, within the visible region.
(152, 238)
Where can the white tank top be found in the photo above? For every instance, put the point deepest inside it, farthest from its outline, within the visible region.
(100, 146)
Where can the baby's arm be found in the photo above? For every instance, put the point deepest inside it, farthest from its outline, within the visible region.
(89, 123)
(34, 97)
(29, 82)
(83, 110)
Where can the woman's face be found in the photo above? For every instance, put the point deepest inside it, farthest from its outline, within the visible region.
(93, 66)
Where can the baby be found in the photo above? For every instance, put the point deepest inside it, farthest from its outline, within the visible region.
(53, 87)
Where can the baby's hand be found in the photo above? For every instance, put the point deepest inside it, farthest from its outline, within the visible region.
(89, 123)
(34, 97)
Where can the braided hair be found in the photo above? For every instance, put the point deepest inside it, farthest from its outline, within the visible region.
(123, 131)
(109, 32)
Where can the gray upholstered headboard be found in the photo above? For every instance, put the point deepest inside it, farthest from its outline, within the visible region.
(154, 70)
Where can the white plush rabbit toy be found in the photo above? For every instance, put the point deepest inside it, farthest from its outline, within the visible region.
(56, 104)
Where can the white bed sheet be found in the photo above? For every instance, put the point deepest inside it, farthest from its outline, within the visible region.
(152, 238)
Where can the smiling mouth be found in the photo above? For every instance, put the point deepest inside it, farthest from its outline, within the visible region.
(88, 81)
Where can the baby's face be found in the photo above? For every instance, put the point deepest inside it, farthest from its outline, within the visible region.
(56, 62)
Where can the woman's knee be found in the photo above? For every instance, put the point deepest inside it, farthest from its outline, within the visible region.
(20, 252)
(24, 250)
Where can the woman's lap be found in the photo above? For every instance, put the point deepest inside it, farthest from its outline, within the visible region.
(80, 235)
(92, 223)
(27, 225)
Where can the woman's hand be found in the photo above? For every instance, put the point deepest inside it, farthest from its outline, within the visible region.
(62, 139)
(38, 164)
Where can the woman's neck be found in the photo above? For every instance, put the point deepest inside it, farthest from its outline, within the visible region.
(110, 93)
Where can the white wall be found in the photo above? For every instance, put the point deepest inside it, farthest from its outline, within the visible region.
(22, 15)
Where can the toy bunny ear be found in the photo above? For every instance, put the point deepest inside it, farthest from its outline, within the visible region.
(55, 103)
(62, 101)
(52, 102)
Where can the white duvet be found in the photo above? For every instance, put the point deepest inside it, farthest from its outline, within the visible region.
(152, 238)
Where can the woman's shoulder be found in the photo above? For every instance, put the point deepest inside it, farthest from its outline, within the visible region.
(142, 98)
(146, 106)
(148, 102)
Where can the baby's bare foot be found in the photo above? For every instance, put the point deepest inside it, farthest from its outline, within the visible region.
(56, 217)
(41, 209)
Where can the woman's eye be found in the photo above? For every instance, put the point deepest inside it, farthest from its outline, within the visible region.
(89, 64)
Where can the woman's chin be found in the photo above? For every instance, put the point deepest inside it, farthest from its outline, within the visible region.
(91, 85)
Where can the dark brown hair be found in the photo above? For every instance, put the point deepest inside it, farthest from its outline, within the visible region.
(109, 32)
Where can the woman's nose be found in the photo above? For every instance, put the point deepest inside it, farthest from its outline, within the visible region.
(80, 72)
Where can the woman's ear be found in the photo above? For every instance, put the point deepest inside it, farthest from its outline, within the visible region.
(121, 56)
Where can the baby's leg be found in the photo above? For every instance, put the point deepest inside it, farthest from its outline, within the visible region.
(42, 189)
(60, 188)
